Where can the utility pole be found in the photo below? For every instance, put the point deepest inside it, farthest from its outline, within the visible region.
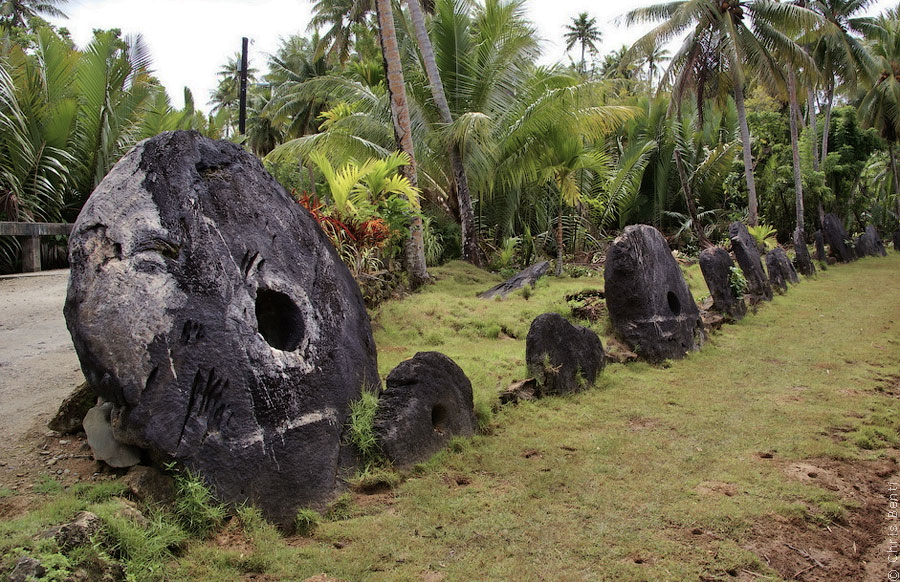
(242, 115)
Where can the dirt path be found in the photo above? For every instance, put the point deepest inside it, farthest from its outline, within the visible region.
(38, 365)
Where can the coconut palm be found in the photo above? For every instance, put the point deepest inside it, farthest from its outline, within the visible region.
(17, 13)
(880, 107)
(339, 18)
(839, 51)
(415, 247)
(226, 95)
(470, 246)
(653, 58)
(583, 30)
(746, 31)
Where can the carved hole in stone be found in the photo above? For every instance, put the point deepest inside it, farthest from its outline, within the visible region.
(279, 319)
(674, 304)
(438, 417)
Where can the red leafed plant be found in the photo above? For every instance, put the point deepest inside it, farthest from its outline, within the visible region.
(371, 233)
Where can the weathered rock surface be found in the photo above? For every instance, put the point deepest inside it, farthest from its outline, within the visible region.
(528, 276)
(821, 255)
(427, 401)
(27, 569)
(802, 260)
(562, 357)
(102, 440)
(72, 410)
(522, 391)
(209, 308)
(776, 275)
(838, 239)
(869, 244)
(79, 531)
(649, 303)
(897, 240)
(150, 485)
(747, 254)
(781, 270)
(876, 240)
(716, 265)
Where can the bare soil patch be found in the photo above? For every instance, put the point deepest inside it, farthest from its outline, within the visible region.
(854, 550)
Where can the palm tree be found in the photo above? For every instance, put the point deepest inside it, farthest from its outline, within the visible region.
(471, 250)
(880, 107)
(838, 51)
(17, 13)
(746, 33)
(653, 57)
(415, 247)
(295, 61)
(338, 16)
(227, 93)
(583, 30)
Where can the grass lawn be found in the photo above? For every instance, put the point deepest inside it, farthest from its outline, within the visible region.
(656, 473)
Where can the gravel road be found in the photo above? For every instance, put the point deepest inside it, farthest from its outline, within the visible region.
(38, 365)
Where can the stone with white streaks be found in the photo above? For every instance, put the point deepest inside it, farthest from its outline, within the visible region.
(214, 315)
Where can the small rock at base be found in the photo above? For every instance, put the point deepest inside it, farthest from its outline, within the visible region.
(26, 568)
(72, 410)
(149, 484)
(78, 532)
(103, 443)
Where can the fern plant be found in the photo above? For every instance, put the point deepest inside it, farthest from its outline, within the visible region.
(763, 234)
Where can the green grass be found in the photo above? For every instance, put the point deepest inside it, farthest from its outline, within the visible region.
(485, 337)
(607, 483)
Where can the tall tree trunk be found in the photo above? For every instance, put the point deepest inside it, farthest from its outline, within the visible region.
(896, 175)
(795, 146)
(753, 207)
(559, 240)
(470, 244)
(829, 101)
(813, 127)
(415, 245)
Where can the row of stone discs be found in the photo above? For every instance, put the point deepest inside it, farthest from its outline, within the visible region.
(221, 330)
(844, 249)
(649, 303)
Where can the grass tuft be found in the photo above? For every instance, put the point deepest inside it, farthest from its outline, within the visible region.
(196, 508)
(306, 522)
(362, 430)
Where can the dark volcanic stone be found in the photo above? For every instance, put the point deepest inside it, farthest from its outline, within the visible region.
(427, 400)
(716, 265)
(527, 276)
(648, 301)
(838, 239)
(211, 310)
(820, 247)
(26, 569)
(876, 241)
(802, 260)
(561, 356)
(72, 410)
(781, 268)
(747, 255)
(776, 275)
(897, 240)
(869, 244)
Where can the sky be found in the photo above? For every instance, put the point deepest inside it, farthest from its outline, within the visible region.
(190, 40)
